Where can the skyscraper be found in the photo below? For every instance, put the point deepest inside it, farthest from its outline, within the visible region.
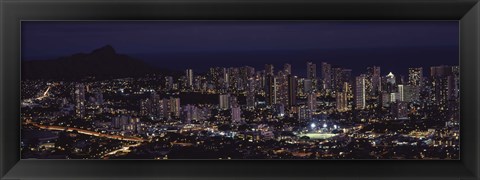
(153, 106)
(168, 82)
(342, 102)
(374, 79)
(360, 91)
(170, 107)
(80, 100)
(236, 114)
(287, 68)
(415, 76)
(390, 82)
(399, 110)
(312, 102)
(224, 101)
(292, 90)
(326, 76)
(307, 86)
(443, 84)
(251, 93)
(401, 95)
(270, 90)
(189, 76)
(311, 70)
(189, 113)
(269, 69)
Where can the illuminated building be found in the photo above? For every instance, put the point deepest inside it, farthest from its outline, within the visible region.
(326, 76)
(287, 68)
(307, 86)
(189, 113)
(189, 75)
(224, 101)
(400, 96)
(233, 101)
(443, 84)
(270, 90)
(342, 102)
(311, 70)
(98, 97)
(312, 102)
(280, 110)
(171, 107)
(168, 82)
(399, 110)
(312, 76)
(251, 93)
(80, 100)
(269, 69)
(372, 82)
(153, 107)
(236, 114)
(390, 82)
(360, 92)
(415, 76)
(340, 76)
(292, 90)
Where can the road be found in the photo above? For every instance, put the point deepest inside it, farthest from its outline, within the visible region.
(88, 132)
(125, 149)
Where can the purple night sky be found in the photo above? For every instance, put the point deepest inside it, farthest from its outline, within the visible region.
(393, 45)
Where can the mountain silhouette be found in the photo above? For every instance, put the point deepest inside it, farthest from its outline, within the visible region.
(101, 63)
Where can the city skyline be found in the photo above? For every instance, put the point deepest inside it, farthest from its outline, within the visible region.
(109, 104)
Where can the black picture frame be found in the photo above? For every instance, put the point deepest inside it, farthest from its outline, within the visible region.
(14, 11)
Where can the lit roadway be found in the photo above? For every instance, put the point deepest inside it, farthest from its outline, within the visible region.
(125, 149)
(88, 132)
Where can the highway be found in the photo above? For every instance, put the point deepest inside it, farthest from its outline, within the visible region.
(88, 132)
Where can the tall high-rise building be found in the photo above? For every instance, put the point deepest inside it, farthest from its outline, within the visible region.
(287, 68)
(399, 110)
(233, 101)
(374, 81)
(189, 76)
(360, 92)
(412, 93)
(326, 76)
(292, 90)
(401, 93)
(236, 113)
(80, 100)
(189, 113)
(390, 83)
(443, 82)
(251, 93)
(270, 90)
(307, 86)
(415, 76)
(269, 69)
(312, 102)
(175, 106)
(282, 88)
(342, 102)
(168, 82)
(224, 101)
(311, 71)
(440, 71)
(152, 106)
(98, 97)
(170, 107)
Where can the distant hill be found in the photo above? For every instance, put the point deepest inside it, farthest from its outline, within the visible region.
(101, 63)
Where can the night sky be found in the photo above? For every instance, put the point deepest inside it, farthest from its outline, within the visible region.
(393, 45)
